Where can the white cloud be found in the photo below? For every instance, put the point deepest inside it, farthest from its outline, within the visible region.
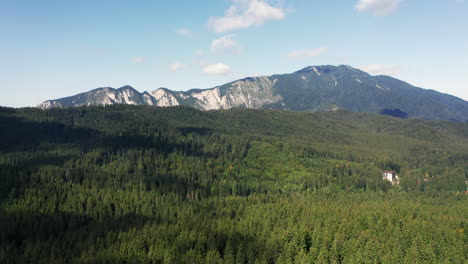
(378, 7)
(308, 53)
(244, 14)
(176, 66)
(217, 69)
(225, 44)
(184, 32)
(138, 60)
(377, 69)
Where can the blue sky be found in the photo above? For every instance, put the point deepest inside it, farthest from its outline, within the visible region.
(51, 49)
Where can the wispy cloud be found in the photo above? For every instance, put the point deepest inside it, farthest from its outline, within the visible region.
(184, 32)
(244, 14)
(217, 69)
(378, 69)
(199, 52)
(225, 44)
(378, 7)
(307, 53)
(176, 66)
(138, 59)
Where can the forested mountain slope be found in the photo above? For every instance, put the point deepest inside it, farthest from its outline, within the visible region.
(315, 88)
(177, 185)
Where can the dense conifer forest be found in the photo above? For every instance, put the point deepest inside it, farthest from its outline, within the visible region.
(135, 184)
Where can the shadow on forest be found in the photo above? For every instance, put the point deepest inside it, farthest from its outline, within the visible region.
(45, 159)
(195, 130)
(37, 227)
(18, 134)
(35, 144)
(79, 234)
(79, 231)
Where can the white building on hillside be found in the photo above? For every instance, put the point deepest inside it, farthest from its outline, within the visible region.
(391, 176)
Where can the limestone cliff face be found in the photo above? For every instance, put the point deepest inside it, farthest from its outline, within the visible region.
(247, 93)
(100, 96)
(164, 98)
(50, 104)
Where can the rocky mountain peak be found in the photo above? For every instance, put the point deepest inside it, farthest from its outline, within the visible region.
(313, 88)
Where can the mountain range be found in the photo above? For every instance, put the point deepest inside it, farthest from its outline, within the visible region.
(314, 88)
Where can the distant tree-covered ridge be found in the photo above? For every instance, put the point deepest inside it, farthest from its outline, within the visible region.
(138, 184)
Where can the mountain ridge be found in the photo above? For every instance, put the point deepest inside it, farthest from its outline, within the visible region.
(313, 88)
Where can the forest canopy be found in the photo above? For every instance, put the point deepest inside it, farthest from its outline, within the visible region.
(139, 184)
